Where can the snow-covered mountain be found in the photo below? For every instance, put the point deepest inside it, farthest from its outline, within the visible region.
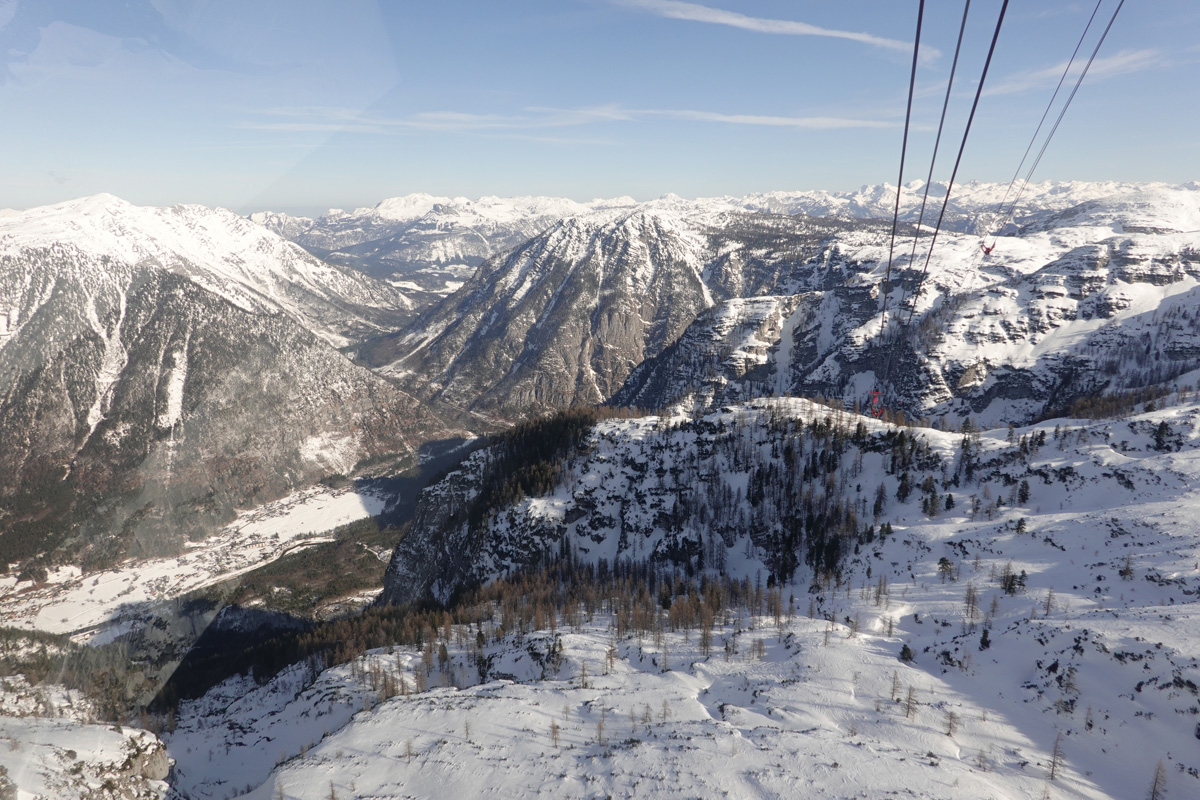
(163, 366)
(564, 318)
(974, 207)
(406, 233)
(1050, 316)
(1100, 297)
(216, 249)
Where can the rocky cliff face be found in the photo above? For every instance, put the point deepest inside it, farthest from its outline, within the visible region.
(729, 353)
(148, 393)
(442, 556)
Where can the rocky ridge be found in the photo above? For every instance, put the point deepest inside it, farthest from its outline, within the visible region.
(566, 317)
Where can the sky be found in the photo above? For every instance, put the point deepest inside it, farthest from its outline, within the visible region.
(305, 106)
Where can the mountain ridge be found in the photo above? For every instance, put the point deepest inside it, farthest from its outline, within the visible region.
(220, 250)
(1010, 335)
(168, 366)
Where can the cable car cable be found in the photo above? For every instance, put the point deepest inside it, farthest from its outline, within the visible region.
(876, 394)
(937, 140)
(1062, 113)
(953, 175)
(912, 82)
(1046, 113)
(958, 160)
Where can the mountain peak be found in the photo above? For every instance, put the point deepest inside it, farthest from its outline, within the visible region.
(405, 207)
(89, 205)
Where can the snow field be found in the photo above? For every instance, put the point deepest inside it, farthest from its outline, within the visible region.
(810, 715)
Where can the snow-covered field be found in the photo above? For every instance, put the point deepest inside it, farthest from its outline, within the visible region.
(96, 604)
(810, 716)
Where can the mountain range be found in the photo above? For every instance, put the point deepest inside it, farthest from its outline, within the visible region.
(154, 355)
(165, 366)
(647, 553)
(617, 306)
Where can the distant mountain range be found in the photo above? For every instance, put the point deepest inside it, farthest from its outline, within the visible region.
(415, 232)
(1051, 315)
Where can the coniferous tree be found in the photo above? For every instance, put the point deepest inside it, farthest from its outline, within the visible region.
(1158, 786)
(1160, 436)
(880, 500)
(1057, 757)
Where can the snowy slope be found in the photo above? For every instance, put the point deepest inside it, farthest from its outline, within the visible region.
(217, 249)
(62, 758)
(803, 719)
(1093, 652)
(55, 747)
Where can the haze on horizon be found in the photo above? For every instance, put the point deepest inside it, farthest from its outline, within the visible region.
(258, 106)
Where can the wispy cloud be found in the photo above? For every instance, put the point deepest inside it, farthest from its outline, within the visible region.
(1122, 63)
(322, 119)
(807, 123)
(695, 12)
(349, 120)
(1058, 11)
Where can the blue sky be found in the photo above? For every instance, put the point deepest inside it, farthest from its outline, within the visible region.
(302, 105)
